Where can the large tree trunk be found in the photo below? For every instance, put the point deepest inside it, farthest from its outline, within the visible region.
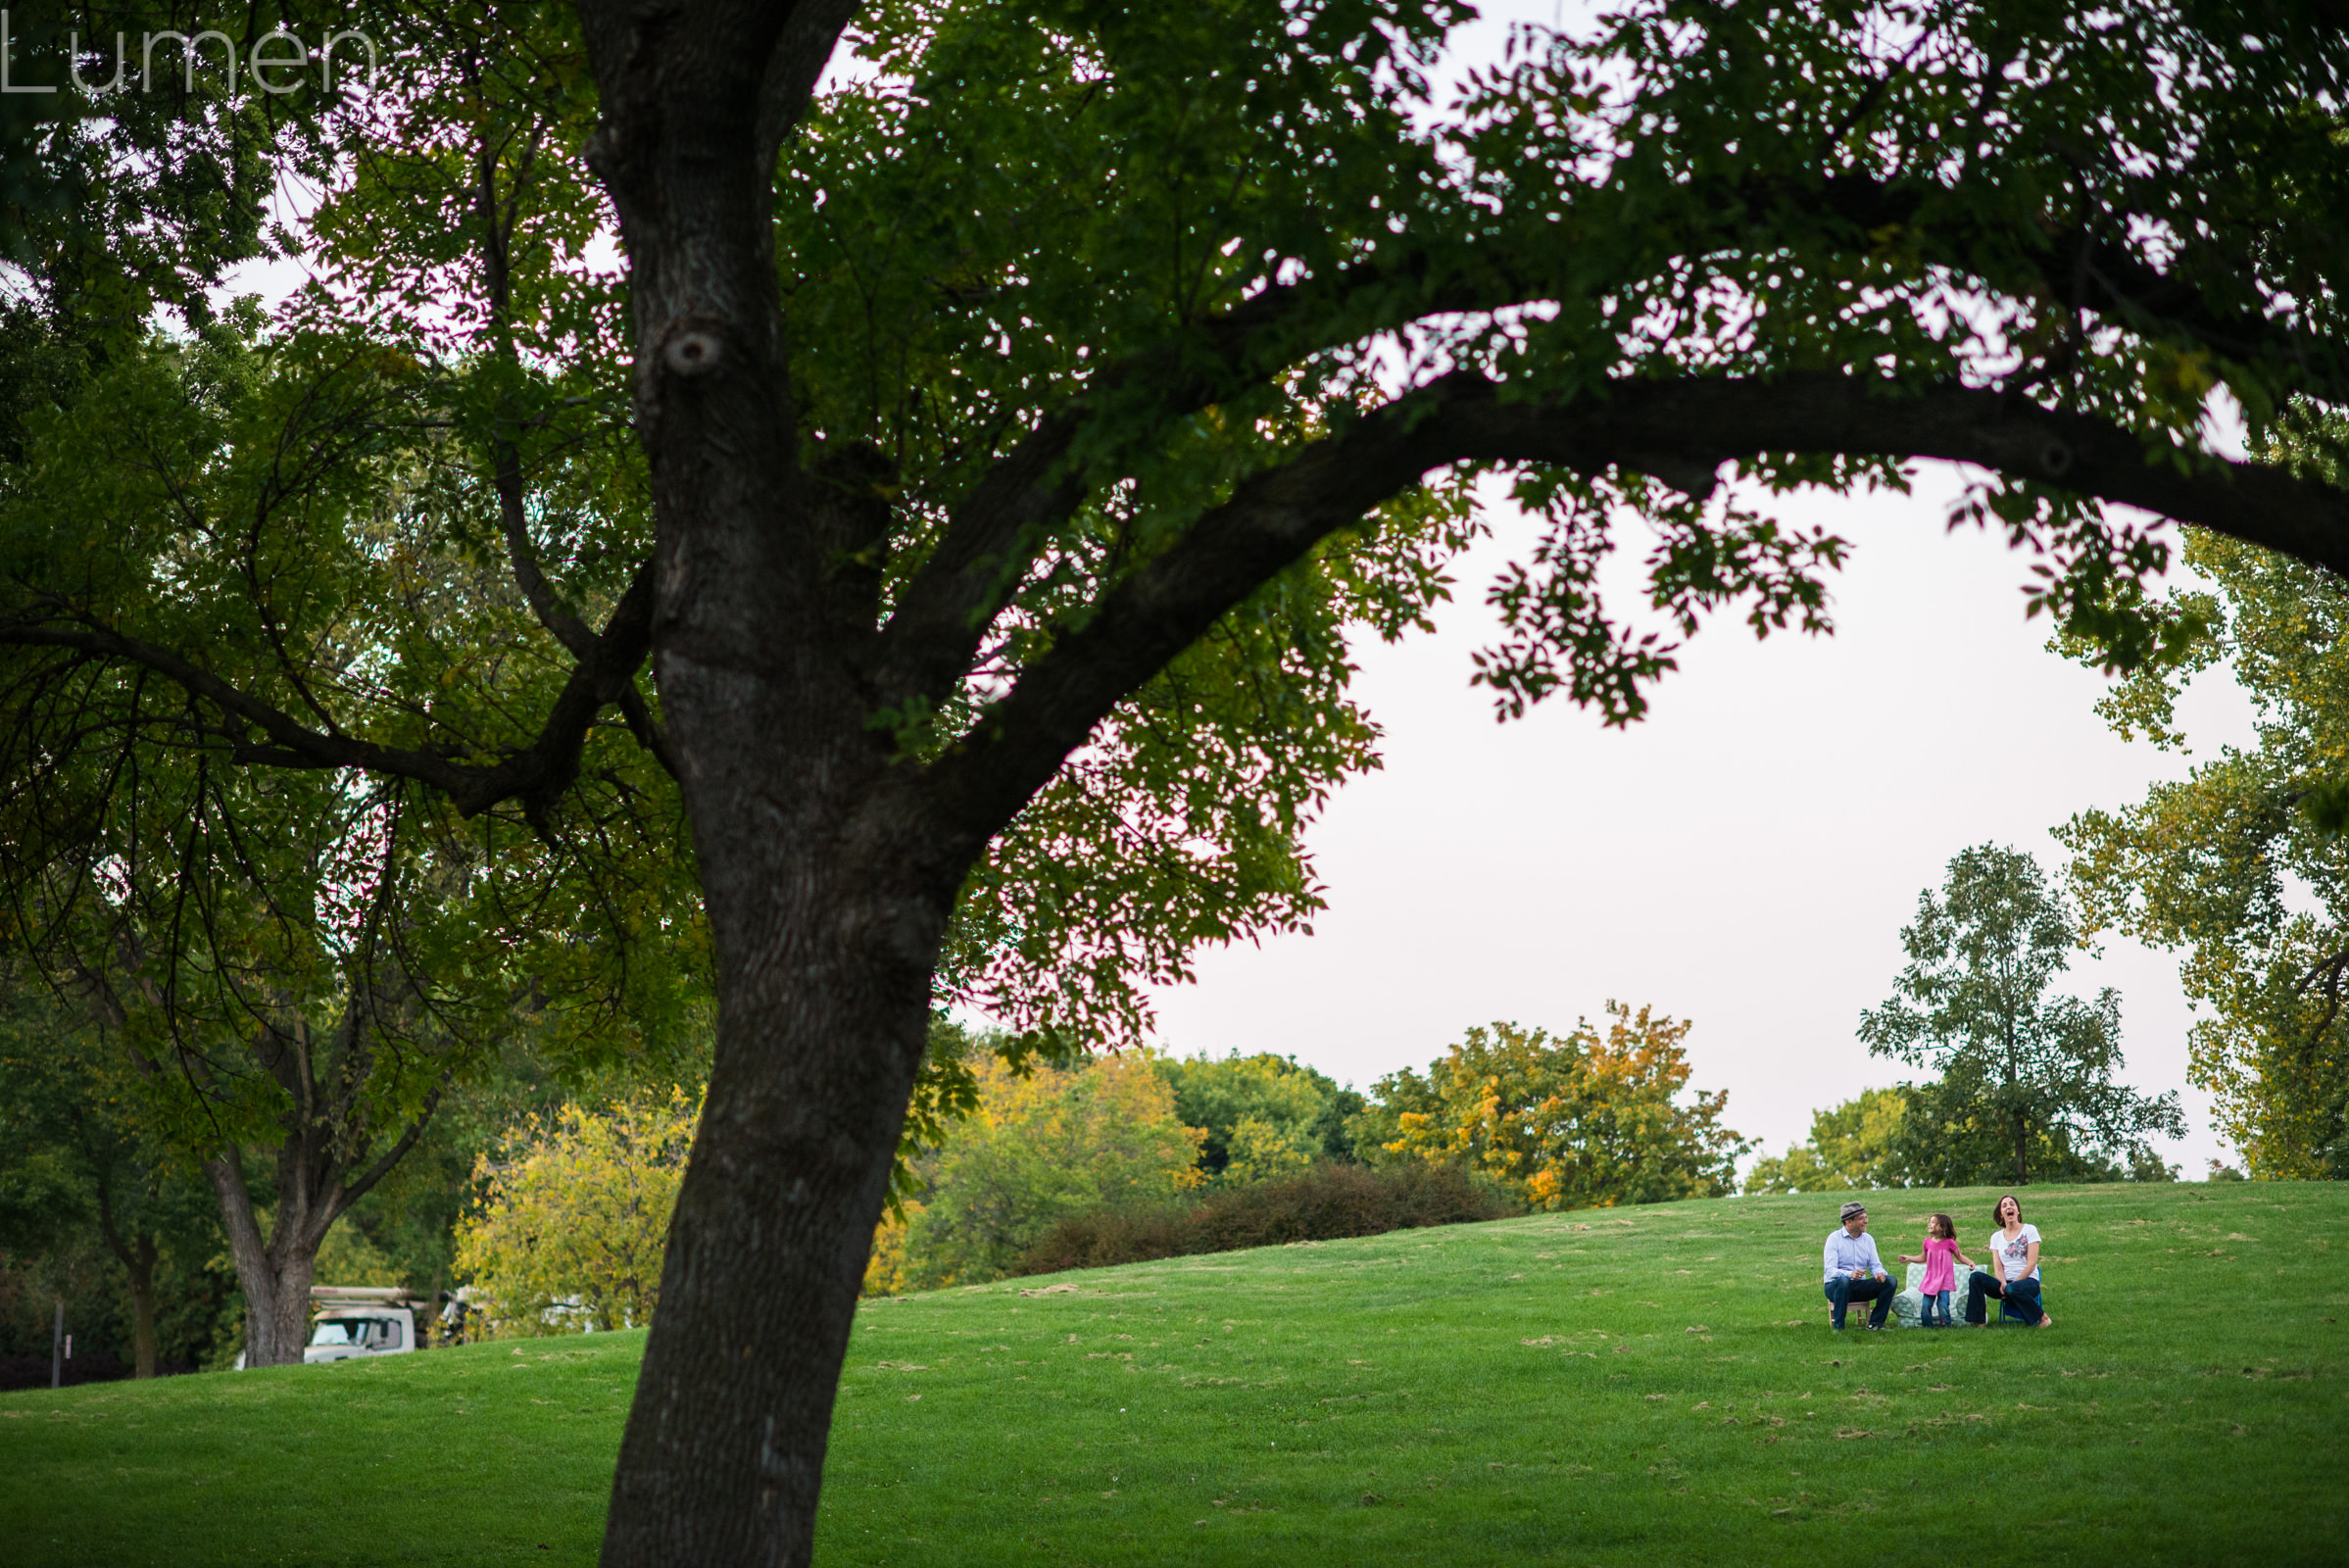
(827, 905)
(723, 1457)
(827, 883)
(272, 1274)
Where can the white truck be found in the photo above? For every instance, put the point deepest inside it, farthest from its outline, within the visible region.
(354, 1320)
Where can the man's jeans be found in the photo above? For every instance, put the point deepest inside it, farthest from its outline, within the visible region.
(1843, 1290)
(2024, 1293)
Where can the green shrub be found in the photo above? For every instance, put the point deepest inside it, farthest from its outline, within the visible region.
(1322, 1203)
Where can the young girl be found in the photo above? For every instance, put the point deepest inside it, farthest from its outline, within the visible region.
(1940, 1276)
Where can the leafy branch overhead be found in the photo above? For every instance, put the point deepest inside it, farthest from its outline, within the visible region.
(1099, 329)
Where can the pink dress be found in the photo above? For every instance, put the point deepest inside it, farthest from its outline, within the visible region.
(1941, 1267)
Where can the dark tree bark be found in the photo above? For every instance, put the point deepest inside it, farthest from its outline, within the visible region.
(828, 890)
(272, 1273)
(136, 1251)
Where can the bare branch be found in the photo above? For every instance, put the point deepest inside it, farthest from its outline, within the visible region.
(809, 39)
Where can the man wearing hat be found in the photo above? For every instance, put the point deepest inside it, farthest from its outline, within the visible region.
(1854, 1273)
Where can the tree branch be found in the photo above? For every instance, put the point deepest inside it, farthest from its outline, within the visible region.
(537, 775)
(996, 532)
(809, 39)
(353, 1190)
(2114, 281)
(1679, 430)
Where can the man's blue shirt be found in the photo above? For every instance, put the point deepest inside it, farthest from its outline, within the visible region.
(1847, 1252)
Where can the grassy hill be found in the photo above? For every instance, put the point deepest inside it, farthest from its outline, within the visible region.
(1614, 1387)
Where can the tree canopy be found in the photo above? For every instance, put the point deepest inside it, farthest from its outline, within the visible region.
(1264, 1115)
(574, 1216)
(2242, 864)
(992, 452)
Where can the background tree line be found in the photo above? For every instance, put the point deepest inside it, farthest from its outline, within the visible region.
(1531, 1120)
(104, 1205)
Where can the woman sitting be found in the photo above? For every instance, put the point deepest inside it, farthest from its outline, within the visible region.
(2015, 1269)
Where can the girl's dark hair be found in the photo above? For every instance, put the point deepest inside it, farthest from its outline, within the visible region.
(1943, 1226)
(1998, 1210)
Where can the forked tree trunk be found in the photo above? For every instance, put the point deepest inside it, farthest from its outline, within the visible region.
(827, 877)
(273, 1274)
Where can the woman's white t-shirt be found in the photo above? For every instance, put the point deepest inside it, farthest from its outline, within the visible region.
(2014, 1254)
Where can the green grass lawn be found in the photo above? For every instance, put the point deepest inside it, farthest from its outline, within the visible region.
(1611, 1386)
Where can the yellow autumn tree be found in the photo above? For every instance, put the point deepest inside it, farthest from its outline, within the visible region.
(573, 1229)
(1578, 1121)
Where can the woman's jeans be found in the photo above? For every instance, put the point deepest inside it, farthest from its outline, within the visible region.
(1935, 1300)
(2024, 1294)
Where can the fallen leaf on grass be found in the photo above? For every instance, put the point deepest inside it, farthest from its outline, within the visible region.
(1051, 1290)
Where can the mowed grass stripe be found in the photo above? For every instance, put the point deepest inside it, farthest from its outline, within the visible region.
(1651, 1383)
